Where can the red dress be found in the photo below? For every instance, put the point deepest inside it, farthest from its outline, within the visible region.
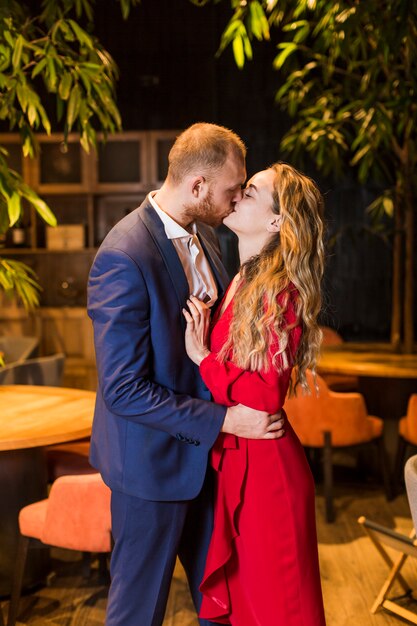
(262, 565)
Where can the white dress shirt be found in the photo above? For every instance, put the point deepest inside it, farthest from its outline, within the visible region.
(196, 267)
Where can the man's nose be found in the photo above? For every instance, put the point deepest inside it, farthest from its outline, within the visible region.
(237, 197)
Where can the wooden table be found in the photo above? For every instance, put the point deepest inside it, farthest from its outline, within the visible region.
(32, 417)
(386, 378)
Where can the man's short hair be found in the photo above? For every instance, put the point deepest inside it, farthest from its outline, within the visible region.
(204, 148)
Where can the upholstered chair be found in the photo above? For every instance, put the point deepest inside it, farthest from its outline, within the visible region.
(76, 516)
(327, 420)
(46, 370)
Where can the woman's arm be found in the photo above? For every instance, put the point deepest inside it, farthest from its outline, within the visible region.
(230, 384)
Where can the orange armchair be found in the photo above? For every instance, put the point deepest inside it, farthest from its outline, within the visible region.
(330, 420)
(407, 437)
(330, 336)
(76, 516)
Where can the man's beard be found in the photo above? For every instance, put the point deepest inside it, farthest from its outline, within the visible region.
(204, 211)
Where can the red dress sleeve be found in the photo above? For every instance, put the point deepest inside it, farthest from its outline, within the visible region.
(262, 390)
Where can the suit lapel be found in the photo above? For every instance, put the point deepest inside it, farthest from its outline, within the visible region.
(212, 254)
(169, 254)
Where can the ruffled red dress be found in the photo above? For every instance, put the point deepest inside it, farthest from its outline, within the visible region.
(262, 566)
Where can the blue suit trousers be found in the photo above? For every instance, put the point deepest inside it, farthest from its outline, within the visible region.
(148, 536)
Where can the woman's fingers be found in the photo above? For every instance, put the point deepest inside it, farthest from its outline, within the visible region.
(193, 310)
(198, 310)
(187, 316)
(199, 304)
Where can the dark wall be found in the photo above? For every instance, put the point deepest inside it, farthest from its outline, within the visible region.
(169, 77)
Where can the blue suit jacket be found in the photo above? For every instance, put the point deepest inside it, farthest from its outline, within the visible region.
(154, 423)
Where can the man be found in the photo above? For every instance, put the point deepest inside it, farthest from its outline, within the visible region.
(154, 422)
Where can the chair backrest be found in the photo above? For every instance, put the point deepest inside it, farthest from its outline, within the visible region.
(78, 514)
(410, 476)
(330, 336)
(343, 414)
(306, 411)
(411, 418)
(18, 348)
(46, 370)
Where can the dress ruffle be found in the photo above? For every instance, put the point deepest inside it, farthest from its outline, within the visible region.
(216, 599)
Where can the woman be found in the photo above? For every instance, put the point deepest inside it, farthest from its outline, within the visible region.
(262, 565)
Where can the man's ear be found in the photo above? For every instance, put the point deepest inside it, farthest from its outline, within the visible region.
(198, 185)
(274, 225)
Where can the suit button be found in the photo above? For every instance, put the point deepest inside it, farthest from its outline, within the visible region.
(180, 437)
(196, 443)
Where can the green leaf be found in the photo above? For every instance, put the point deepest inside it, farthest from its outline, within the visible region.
(32, 115)
(60, 109)
(22, 93)
(81, 35)
(382, 205)
(14, 208)
(73, 105)
(84, 141)
(287, 50)
(109, 108)
(41, 207)
(8, 37)
(230, 32)
(247, 47)
(17, 52)
(18, 278)
(51, 74)
(88, 9)
(94, 68)
(5, 57)
(388, 205)
(39, 67)
(45, 120)
(5, 188)
(238, 51)
(27, 147)
(360, 154)
(125, 9)
(65, 86)
(254, 20)
(302, 34)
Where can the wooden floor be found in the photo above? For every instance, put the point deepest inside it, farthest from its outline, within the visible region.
(352, 572)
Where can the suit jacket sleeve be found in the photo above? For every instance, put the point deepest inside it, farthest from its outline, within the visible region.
(119, 306)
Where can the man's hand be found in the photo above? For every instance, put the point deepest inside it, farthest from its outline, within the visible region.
(242, 421)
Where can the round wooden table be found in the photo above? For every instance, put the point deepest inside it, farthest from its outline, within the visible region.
(32, 417)
(386, 379)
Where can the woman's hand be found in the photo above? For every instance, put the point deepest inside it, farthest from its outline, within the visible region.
(196, 333)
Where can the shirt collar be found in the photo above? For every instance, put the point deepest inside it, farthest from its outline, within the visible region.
(173, 230)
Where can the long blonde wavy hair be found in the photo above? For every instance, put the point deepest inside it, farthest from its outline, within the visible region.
(294, 255)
